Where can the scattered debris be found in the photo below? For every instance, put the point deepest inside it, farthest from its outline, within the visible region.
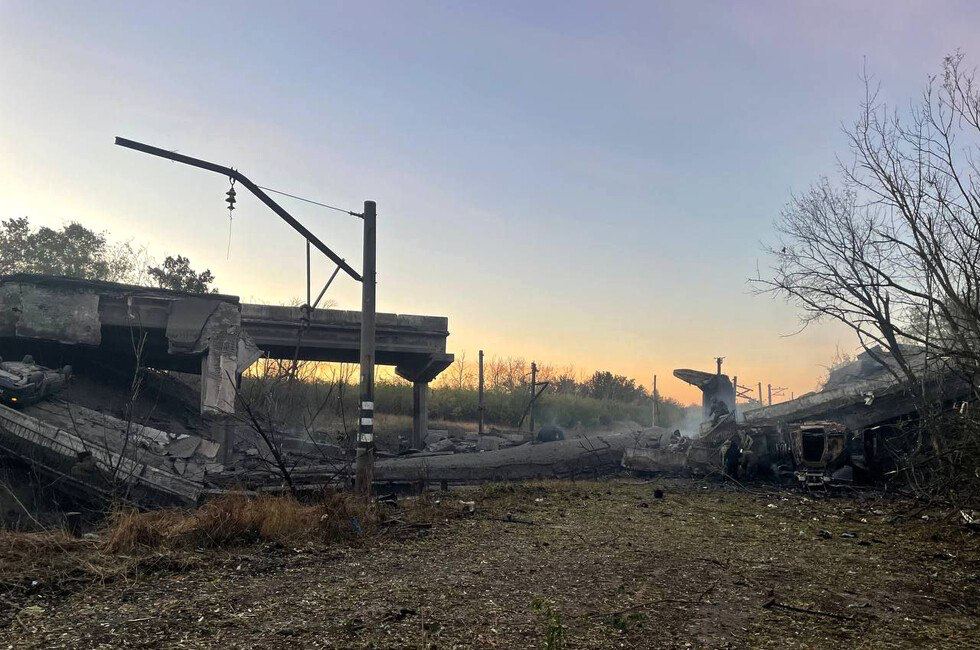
(23, 383)
(550, 433)
(773, 604)
(970, 519)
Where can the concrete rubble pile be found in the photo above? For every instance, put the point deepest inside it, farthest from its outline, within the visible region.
(95, 452)
(173, 435)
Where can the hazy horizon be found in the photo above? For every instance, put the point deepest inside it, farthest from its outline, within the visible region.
(572, 184)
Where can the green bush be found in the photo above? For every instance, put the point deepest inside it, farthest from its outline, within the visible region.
(506, 407)
(503, 407)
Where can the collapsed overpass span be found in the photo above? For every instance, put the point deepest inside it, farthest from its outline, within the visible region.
(64, 320)
(415, 345)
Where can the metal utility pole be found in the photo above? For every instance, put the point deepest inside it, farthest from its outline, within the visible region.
(776, 391)
(308, 275)
(653, 419)
(480, 387)
(251, 187)
(365, 435)
(735, 399)
(365, 438)
(760, 394)
(534, 393)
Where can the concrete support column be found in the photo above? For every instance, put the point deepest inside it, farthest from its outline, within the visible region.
(420, 413)
(223, 433)
(218, 373)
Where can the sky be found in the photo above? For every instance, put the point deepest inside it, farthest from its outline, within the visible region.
(578, 183)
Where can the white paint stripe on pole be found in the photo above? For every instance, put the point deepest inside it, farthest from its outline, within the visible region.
(367, 421)
(367, 405)
(365, 437)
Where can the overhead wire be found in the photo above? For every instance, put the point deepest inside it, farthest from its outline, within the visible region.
(322, 205)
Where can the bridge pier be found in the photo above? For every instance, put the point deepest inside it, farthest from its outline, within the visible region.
(420, 414)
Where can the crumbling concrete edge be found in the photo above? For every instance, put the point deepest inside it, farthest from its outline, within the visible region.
(38, 434)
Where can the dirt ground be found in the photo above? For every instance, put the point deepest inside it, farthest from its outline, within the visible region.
(575, 565)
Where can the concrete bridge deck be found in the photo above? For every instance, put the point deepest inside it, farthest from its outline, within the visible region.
(60, 319)
(415, 345)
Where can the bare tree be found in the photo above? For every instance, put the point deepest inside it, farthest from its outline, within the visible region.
(891, 248)
(459, 375)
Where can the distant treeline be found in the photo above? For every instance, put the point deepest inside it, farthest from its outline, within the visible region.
(330, 389)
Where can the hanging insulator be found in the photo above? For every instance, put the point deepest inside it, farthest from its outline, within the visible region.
(231, 199)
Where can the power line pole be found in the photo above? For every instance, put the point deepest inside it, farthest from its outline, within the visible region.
(653, 419)
(481, 393)
(365, 446)
(761, 403)
(365, 436)
(534, 393)
(735, 399)
(769, 386)
(308, 275)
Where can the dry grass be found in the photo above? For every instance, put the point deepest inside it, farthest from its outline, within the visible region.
(134, 543)
(236, 520)
(19, 549)
(596, 564)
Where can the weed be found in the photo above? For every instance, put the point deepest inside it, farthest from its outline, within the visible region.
(554, 635)
(624, 622)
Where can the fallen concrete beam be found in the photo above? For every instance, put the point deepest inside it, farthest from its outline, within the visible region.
(585, 456)
(861, 403)
(90, 466)
(661, 461)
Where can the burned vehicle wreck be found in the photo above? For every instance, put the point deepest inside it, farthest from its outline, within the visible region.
(820, 453)
(853, 430)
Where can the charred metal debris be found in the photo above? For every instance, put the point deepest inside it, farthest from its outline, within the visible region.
(853, 430)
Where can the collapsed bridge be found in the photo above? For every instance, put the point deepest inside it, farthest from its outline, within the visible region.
(111, 327)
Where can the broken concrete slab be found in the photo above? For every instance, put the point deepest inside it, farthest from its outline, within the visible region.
(208, 448)
(184, 447)
(513, 438)
(584, 456)
(443, 445)
(490, 443)
(435, 435)
(659, 461)
(860, 403)
(99, 464)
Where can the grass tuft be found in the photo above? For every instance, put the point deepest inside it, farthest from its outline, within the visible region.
(236, 520)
